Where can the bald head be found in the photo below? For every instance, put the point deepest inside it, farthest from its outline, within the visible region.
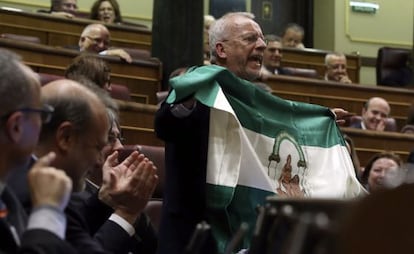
(78, 130)
(374, 113)
(72, 102)
(94, 38)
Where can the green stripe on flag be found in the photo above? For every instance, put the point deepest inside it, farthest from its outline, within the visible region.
(241, 208)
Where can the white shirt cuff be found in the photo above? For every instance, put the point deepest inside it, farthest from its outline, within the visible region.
(123, 223)
(48, 218)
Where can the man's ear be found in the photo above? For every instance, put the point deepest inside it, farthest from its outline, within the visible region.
(221, 50)
(14, 126)
(65, 136)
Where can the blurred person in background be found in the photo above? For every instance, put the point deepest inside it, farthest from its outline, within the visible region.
(107, 11)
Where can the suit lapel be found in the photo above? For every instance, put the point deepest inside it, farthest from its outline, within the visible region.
(16, 215)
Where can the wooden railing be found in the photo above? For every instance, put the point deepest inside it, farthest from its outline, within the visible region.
(137, 122)
(368, 143)
(58, 31)
(143, 77)
(348, 96)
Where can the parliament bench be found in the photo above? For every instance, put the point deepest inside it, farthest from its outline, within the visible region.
(336, 95)
(367, 143)
(142, 77)
(137, 123)
(59, 31)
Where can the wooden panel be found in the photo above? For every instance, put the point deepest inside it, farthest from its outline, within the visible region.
(143, 77)
(368, 143)
(142, 136)
(350, 97)
(137, 122)
(137, 114)
(315, 59)
(56, 31)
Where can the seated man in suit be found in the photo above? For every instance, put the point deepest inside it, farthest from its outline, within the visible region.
(77, 134)
(374, 113)
(145, 240)
(272, 56)
(95, 38)
(335, 68)
(22, 115)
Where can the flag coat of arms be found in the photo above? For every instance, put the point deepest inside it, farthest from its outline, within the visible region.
(261, 145)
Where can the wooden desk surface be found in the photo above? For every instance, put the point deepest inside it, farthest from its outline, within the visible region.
(315, 59)
(58, 31)
(348, 96)
(143, 77)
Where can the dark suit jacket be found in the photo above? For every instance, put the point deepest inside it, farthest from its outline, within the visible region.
(88, 228)
(90, 231)
(18, 183)
(32, 241)
(186, 146)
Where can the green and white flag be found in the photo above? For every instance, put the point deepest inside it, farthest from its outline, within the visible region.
(260, 145)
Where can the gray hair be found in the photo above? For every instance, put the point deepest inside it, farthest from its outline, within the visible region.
(333, 54)
(220, 29)
(272, 37)
(15, 85)
(295, 27)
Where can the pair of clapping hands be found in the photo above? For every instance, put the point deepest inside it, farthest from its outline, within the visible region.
(127, 186)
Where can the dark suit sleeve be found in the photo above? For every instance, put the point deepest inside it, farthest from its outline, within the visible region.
(172, 129)
(146, 239)
(44, 242)
(90, 231)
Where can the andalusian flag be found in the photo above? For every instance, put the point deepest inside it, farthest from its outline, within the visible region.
(260, 145)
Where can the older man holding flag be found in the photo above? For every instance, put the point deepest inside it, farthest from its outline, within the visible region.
(229, 144)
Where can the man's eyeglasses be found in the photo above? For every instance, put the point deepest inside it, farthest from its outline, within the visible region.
(250, 38)
(46, 112)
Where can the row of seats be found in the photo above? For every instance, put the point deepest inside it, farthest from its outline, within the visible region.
(133, 52)
(392, 65)
(119, 92)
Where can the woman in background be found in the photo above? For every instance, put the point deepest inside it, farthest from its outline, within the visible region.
(383, 171)
(107, 11)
